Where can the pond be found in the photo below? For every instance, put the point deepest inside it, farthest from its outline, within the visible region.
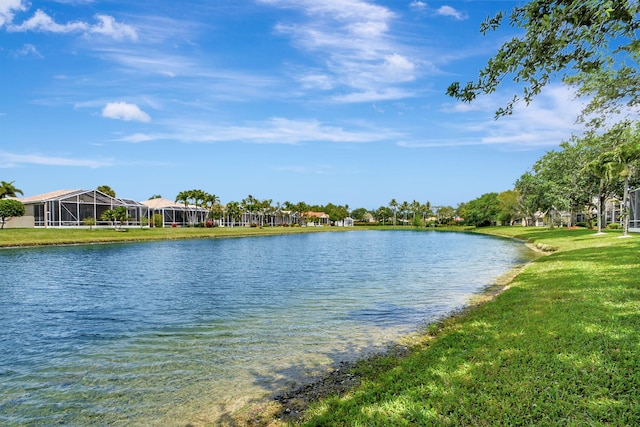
(179, 332)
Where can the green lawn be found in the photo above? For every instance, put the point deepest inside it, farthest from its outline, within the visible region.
(52, 236)
(560, 347)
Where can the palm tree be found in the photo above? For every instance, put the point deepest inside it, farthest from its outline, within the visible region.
(301, 209)
(415, 208)
(117, 215)
(233, 212)
(426, 211)
(211, 202)
(250, 206)
(121, 215)
(7, 189)
(404, 207)
(266, 209)
(394, 206)
(184, 197)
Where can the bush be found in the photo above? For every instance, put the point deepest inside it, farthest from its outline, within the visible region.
(89, 222)
(10, 208)
(157, 220)
(614, 226)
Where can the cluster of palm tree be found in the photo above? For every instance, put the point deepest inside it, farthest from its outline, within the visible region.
(198, 199)
(251, 211)
(420, 212)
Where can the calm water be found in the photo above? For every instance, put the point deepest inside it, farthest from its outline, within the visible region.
(177, 332)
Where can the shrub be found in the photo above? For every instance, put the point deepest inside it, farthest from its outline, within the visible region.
(614, 226)
(157, 220)
(89, 222)
(10, 208)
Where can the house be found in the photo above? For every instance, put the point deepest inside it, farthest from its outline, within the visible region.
(316, 218)
(347, 222)
(174, 213)
(69, 208)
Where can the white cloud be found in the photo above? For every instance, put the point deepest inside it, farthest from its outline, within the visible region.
(450, 11)
(125, 111)
(423, 8)
(315, 81)
(398, 68)
(28, 50)
(373, 96)
(109, 27)
(276, 130)
(546, 122)
(41, 22)
(418, 5)
(353, 39)
(8, 8)
(106, 26)
(8, 160)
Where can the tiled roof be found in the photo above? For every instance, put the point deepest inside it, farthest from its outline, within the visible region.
(48, 196)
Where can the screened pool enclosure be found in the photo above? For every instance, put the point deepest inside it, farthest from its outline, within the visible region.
(70, 208)
(634, 210)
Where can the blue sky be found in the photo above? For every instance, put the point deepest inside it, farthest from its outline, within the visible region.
(339, 101)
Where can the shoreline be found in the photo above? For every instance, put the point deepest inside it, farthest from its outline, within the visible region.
(289, 405)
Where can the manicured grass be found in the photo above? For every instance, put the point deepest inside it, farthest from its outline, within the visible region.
(560, 347)
(56, 236)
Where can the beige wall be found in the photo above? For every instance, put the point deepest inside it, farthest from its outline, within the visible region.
(20, 222)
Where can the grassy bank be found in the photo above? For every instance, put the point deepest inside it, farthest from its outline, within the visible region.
(57, 236)
(560, 347)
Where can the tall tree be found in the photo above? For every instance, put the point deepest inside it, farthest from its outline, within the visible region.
(7, 189)
(211, 202)
(509, 208)
(404, 208)
(426, 211)
(415, 209)
(106, 190)
(590, 43)
(233, 211)
(598, 168)
(482, 211)
(393, 204)
(383, 213)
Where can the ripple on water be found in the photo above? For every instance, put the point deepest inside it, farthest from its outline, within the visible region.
(166, 333)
